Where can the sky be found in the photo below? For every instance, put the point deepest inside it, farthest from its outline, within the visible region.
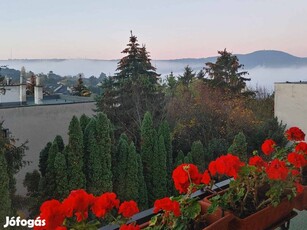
(170, 29)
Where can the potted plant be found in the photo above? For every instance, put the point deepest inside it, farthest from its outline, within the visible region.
(185, 211)
(268, 190)
(75, 211)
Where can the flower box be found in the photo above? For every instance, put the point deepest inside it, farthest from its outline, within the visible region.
(263, 218)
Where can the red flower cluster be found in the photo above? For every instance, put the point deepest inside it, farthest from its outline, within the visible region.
(298, 160)
(268, 146)
(128, 208)
(206, 178)
(167, 205)
(104, 204)
(52, 213)
(78, 203)
(301, 148)
(184, 175)
(295, 134)
(277, 170)
(226, 165)
(129, 227)
(257, 161)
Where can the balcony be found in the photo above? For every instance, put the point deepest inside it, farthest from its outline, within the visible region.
(296, 221)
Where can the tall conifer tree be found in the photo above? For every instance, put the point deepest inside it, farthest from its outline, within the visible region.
(198, 155)
(104, 147)
(142, 191)
(76, 176)
(147, 150)
(132, 183)
(159, 174)
(61, 181)
(5, 200)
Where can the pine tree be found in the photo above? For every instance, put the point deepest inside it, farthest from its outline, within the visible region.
(61, 181)
(120, 169)
(132, 183)
(198, 155)
(239, 146)
(5, 200)
(104, 147)
(142, 191)
(147, 150)
(76, 177)
(159, 174)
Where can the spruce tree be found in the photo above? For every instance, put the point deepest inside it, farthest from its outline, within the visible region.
(104, 147)
(132, 91)
(5, 200)
(61, 182)
(76, 177)
(147, 150)
(187, 76)
(198, 155)
(142, 191)
(132, 183)
(159, 174)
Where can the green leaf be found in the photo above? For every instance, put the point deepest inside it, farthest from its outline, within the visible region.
(193, 210)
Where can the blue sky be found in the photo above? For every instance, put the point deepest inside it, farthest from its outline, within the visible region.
(170, 28)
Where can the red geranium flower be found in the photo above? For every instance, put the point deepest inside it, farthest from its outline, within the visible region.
(181, 177)
(104, 203)
(268, 146)
(78, 202)
(299, 187)
(129, 227)
(52, 212)
(298, 160)
(167, 205)
(295, 172)
(228, 165)
(277, 170)
(301, 147)
(128, 208)
(206, 178)
(257, 161)
(295, 134)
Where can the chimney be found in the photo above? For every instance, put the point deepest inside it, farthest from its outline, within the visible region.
(38, 92)
(22, 87)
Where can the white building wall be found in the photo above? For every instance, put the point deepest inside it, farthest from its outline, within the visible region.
(12, 94)
(290, 104)
(39, 125)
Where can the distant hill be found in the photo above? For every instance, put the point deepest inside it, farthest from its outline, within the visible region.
(94, 67)
(261, 58)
